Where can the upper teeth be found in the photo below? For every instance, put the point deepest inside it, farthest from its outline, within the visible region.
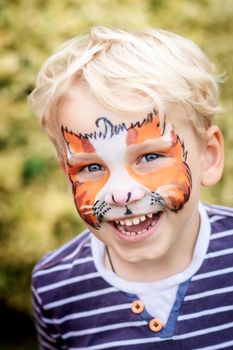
(133, 221)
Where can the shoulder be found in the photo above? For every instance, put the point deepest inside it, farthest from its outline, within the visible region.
(220, 216)
(77, 249)
(219, 210)
(64, 275)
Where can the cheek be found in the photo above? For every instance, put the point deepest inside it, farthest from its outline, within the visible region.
(85, 195)
(154, 178)
(172, 182)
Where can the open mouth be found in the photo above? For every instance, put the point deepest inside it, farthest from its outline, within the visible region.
(137, 225)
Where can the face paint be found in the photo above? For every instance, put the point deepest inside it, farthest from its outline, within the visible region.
(171, 182)
(120, 170)
(84, 191)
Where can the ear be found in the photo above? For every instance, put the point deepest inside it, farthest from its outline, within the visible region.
(213, 157)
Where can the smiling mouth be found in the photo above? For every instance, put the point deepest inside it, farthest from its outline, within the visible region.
(137, 225)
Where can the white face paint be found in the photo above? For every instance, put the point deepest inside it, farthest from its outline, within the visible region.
(118, 171)
(120, 185)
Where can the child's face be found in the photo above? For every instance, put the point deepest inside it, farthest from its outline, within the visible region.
(135, 180)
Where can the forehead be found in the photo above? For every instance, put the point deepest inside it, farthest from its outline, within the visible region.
(80, 111)
(146, 133)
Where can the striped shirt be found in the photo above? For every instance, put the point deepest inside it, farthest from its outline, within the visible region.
(75, 308)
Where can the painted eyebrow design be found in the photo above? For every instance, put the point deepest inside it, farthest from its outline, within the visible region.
(83, 157)
(150, 144)
(106, 129)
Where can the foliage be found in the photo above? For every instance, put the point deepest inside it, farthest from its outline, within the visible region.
(36, 210)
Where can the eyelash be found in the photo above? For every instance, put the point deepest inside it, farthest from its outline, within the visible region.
(88, 167)
(157, 155)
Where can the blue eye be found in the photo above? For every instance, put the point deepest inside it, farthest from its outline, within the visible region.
(149, 157)
(94, 167)
(91, 168)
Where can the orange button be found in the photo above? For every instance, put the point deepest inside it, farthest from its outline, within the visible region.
(155, 325)
(137, 306)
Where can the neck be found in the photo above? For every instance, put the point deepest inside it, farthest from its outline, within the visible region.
(176, 260)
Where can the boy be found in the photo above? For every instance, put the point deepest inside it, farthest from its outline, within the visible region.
(131, 116)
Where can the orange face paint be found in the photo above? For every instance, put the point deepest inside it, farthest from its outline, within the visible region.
(173, 180)
(84, 197)
(139, 134)
(166, 179)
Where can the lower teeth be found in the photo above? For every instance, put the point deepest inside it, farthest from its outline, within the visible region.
(139, 232)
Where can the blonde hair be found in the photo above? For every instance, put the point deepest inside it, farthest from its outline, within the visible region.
(114, 64)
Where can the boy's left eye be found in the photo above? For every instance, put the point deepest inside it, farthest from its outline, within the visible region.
(149, 157)
(91, 168)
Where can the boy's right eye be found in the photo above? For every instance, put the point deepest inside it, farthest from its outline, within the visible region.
(92, 168)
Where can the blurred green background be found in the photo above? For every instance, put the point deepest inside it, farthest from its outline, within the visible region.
(36, 209)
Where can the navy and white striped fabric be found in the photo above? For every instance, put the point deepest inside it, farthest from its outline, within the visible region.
(75, 308)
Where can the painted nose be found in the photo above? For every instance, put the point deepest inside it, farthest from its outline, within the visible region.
(121, 196)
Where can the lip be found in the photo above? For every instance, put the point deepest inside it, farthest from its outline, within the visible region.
(136, 238)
